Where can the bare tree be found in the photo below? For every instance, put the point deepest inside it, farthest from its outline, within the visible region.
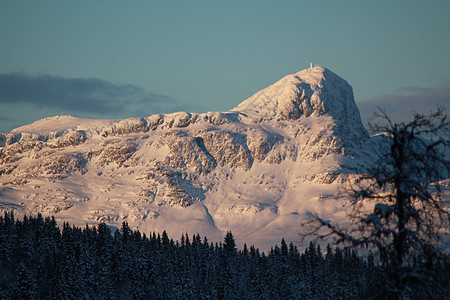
(401, 206)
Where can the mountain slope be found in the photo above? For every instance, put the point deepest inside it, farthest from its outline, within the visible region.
(258, 169)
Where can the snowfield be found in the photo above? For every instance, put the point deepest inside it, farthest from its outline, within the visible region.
(258, 170)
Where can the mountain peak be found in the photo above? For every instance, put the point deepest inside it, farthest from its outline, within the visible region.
(314, 91)
(314, 74)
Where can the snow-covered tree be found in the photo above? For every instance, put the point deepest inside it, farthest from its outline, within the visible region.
(24, 286)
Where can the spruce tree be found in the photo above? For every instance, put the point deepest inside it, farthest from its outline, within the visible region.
(24, 285)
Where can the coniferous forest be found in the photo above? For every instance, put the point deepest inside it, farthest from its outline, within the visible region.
(38, 260)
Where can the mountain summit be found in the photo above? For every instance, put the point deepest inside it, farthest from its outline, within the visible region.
(258, 170)
(315, 91)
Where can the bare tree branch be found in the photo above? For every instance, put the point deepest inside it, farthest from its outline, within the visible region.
(400, 206)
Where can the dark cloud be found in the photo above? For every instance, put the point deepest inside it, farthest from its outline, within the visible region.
(410, 100)
(80, 96)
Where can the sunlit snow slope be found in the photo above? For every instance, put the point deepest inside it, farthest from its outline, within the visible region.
(257, 170)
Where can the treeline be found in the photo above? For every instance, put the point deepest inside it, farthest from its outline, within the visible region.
(40, 261)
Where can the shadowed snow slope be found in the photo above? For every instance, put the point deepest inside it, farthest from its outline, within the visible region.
(258, 170)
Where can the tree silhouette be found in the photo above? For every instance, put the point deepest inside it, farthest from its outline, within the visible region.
(400, 206)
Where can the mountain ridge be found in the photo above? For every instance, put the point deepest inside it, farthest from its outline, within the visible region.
(257, 169)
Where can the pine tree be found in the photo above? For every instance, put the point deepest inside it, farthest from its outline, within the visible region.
(229, 245)
(24, 285)
(105, 288)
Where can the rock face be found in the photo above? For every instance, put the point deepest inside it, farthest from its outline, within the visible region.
(257, 170)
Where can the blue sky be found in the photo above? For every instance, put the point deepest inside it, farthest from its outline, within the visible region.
(119, 59)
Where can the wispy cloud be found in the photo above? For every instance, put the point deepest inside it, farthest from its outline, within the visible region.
(80, 95)
(409, 100)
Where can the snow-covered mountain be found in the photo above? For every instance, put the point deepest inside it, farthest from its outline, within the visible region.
(258, 170)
